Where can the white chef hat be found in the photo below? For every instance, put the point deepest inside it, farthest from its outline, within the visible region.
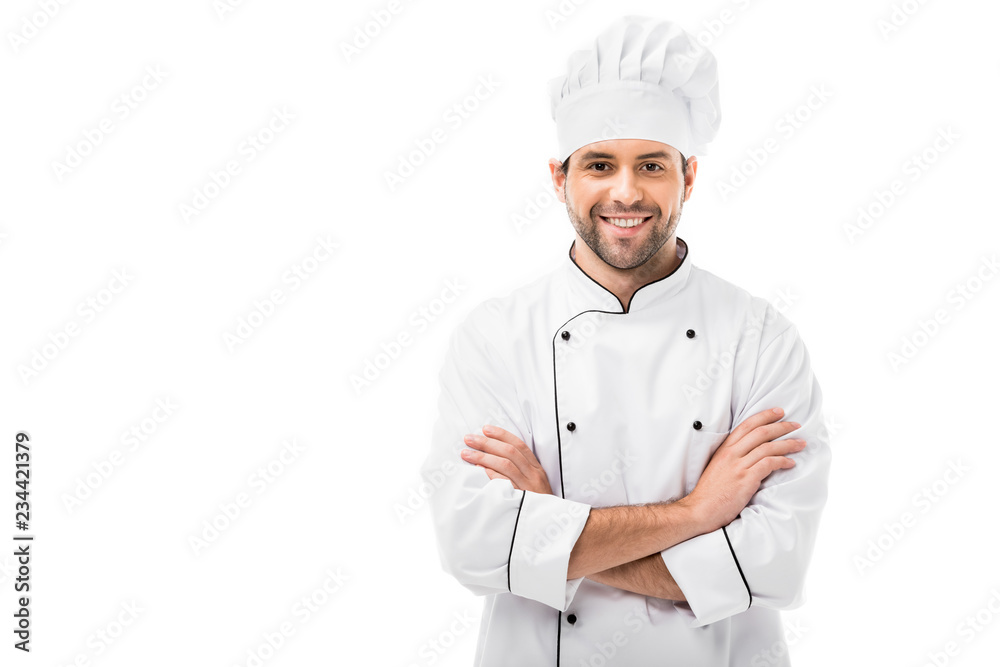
(644, 78)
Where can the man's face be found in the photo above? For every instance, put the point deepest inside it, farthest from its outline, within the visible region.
(622, 180)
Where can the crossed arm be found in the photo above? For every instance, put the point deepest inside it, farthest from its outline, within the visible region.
(620, 546)
(645, 576)
(614, 533)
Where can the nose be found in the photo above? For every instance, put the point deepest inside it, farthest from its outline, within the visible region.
(624, 188)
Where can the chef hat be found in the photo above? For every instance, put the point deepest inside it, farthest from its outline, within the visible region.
(644, 78)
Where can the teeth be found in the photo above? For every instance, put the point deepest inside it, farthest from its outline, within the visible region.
(624, 222)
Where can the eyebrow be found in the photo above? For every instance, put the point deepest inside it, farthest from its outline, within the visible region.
(592, 155)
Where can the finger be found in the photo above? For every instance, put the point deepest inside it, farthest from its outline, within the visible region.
(503, 435)
(767, 465)
(762, 434)
(496, 463)
(773, 448)
(499, 448)
(753, 421)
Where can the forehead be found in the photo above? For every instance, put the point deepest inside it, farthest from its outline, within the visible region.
(626, 150)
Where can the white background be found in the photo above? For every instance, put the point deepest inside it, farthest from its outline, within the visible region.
(125, 538)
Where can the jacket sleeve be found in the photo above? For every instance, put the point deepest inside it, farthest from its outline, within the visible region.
(491, 537)
(762, 556)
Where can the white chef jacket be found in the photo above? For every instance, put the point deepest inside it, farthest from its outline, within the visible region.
(622, 408)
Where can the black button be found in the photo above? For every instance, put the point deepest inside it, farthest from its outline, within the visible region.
(697, 425)
(690, 333)
(571, 619)
(565, 335)
(571, 426)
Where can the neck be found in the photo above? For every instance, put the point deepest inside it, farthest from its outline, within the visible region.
(624, 283)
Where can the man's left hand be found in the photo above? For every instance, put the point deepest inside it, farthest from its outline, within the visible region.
(505, 456)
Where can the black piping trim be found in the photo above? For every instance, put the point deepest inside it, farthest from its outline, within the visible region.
(555, 394)
(687, 253)
(562, 483)
(558, 639)
(555, 388)
(513, 535)
(738, 567)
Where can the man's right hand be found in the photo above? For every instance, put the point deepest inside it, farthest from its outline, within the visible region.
(750, 453)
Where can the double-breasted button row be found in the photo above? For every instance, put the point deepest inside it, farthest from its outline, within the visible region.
(570, 426)
(690, 334)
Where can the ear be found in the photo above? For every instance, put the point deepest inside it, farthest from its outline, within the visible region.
(692, 172)
(558, 179)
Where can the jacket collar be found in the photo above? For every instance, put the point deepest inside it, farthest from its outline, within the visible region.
(591, 295)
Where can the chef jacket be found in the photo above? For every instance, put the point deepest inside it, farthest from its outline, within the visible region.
(624, 406)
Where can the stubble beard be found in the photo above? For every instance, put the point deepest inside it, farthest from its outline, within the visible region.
(624, 253)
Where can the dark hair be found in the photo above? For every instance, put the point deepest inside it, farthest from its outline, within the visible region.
(564, 167)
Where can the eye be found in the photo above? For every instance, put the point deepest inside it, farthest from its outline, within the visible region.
(653, 164)
(595, 164)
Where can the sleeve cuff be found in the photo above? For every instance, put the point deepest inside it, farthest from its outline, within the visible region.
(545, 532)
(708, 573)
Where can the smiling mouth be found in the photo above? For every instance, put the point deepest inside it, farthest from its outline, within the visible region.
(626, 222)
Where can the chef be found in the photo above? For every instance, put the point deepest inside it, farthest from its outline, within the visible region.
(640, 449)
